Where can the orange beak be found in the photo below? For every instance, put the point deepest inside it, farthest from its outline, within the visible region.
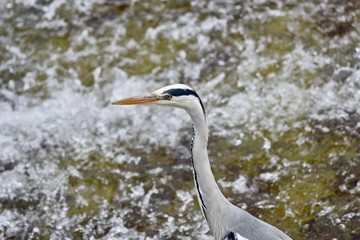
(137, 100)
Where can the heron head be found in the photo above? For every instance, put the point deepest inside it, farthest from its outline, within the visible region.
(177, 95)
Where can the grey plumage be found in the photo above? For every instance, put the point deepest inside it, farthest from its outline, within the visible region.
(226, 221)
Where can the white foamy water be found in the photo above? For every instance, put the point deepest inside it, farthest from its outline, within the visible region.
(53, 123)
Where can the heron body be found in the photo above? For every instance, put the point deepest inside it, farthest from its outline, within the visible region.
(226, 221)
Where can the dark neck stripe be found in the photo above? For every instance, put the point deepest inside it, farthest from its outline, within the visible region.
(203, 206)
(185, 92)
(230, 236)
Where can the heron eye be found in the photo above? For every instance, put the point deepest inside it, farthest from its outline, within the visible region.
(167, 97)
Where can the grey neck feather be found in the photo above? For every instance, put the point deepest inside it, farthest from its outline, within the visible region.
(211, 200)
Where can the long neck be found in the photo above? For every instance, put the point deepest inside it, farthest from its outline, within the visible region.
(211, 200)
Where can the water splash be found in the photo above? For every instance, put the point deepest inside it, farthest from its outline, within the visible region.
(271, 78)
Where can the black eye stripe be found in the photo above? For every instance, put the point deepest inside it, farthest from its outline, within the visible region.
(185, 92)
(181, 92)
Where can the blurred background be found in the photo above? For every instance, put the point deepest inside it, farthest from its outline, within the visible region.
(280, 80)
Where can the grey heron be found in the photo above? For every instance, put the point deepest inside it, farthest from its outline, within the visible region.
(226, 221)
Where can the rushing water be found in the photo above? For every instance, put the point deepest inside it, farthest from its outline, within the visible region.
(280, 81)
